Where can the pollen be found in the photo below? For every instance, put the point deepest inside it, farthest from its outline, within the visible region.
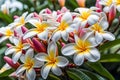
(82, 46)
(8, 32)
(97, 27)
(63, 26)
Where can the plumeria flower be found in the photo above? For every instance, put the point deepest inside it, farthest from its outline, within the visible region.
(86, 16)
(82, 49)
(64, 28)
(7, 33)
(5, 9)
(99, 31)
(29, 63)
(41, 30)
(108, 3)
(17, 49)
(53, 62)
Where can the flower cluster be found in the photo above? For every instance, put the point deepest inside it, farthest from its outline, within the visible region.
(53, 35)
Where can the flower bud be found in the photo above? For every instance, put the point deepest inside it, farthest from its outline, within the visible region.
(81, 3)
(61, 2)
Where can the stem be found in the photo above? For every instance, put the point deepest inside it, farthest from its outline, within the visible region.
(117, 51)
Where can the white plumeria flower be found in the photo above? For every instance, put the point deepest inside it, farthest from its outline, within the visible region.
(17, 49)
(41, 30)
(86, 16)
(29, 64)
(82, 49)
(7, 33)
(99, 32)
(108, 3)
(5, 8)
(53, 62)
(64, 28)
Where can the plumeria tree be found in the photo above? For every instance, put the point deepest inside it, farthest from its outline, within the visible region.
(53, 40)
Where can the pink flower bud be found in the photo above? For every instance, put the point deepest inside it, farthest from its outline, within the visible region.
(24, 29)
(48, 11)
(9, 45)
(39, 46)
(37, 16)
(10, 62)
(81, 32)
(98, 6)
(112, 14)
(15, 17)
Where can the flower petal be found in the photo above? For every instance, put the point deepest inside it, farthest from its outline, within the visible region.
(38, 63)
(41, 56)
(78, 59)
(98, 37)
(30, 33)
(92, 19)
(65, 35)
(26, 46)
(62, 61)
(10, 50)
(31, 74)
(52, 49)
(68, 49)
(67, 17)
(56, 36)
(20, 69)
(43, 35)
(56, 70)
(29, 53)
(45, 70)
(16, 56)
(3, 38)
(108, 36)
(103, 23)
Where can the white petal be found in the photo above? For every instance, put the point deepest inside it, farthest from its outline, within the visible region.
(83, 23)
(67, 17)
(22, 58)
(106, 9)
(68, 49)
(92, 19)
(95, 54)
(16, 56)
(20, 69)
(65, 35)
(41, 56)
(38, 63)
(31, 74)
(118, 8)
(30, 33)
(108, 36)
(104, 24)
(98, 37)
(45, 70)
(10, 50)
(62, 61)
(29, 53)
(52, 49)
(3, 38)
(56, 36)
(93, 42)
(43, 35)
(16, 40)
(26, 46)
(78, 59)
(29, 17)
(56, 70)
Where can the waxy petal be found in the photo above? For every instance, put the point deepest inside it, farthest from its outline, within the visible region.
(41, 57)
(16, 56)
(56, 70)
(10, 50)
(56, 36)
(108, 36)
(43, 35)
(65, 35)
(31, 74)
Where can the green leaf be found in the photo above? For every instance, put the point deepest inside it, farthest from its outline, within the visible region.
(6, 78)
(6, 73)
(108, 45)
(52, 77)
(110, 58)
(100, 69)
(92, 75)
(79, 73)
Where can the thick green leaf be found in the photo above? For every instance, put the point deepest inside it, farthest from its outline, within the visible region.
(6, 78)
(109, 45)
(79, 73)
(100, 69)
(6, 73)
(52, 77)
(110, 58)
(92, 75)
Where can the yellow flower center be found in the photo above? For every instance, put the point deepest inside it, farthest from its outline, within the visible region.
(8, 32)
(117, 2)
(19, 47)
(63, 25)
(108, 2)
(21, 22)
(97, 27)
(84, 15)
(82, 46)
(29, 63)
(41, 26)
